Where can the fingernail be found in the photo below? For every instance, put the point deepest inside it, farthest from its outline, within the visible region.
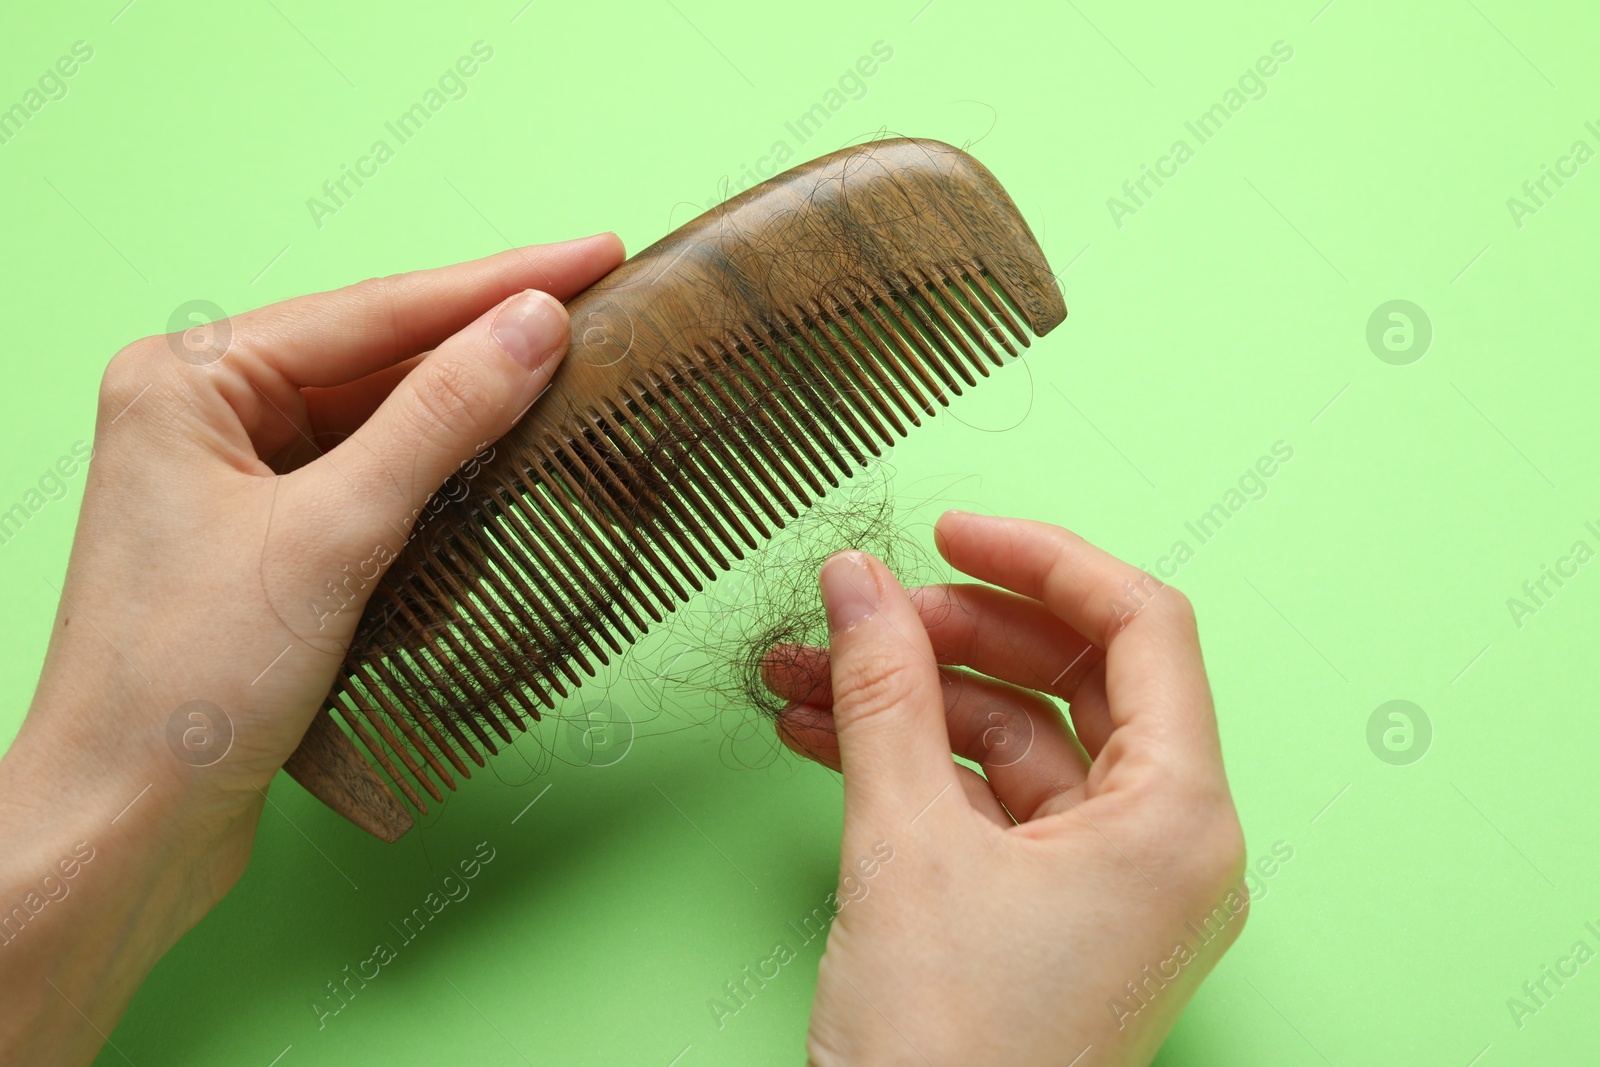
(532, 328)
(580, 240)
(849, 590)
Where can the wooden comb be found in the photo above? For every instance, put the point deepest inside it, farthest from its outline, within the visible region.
(719, 381)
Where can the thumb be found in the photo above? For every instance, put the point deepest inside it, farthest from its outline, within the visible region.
(888, 707)
(461, 396)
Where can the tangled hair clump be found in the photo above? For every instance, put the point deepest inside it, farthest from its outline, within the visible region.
(769, 608)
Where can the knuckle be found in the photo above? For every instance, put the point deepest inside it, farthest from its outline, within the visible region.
(377, 290)
(1225, 849)
(1212, 864)
(1223, 908)
(878, 686)
(129, 373)
(386, 296)
(450, 398)
(1190, 836)
(1174, 605)
(1223, 866)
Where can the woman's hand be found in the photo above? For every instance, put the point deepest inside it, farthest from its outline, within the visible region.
(1062, 909)
(222, 557)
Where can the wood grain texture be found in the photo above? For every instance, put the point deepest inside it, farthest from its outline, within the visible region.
(331, 768)
(718, 382)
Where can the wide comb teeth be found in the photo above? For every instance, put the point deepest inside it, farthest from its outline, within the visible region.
(718, 384)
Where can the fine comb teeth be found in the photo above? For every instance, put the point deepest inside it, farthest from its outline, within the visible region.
(718, 382)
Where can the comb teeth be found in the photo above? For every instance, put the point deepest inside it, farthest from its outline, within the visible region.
(718, 384)
(617, 525)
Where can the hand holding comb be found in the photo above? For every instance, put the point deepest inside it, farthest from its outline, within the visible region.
(717, 383)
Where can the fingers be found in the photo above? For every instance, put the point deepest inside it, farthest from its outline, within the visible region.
(800, 675)
(332, 338)
(1092, 591)
(1005, 636)
(982, 798)
(464, 395)
(1018, 640)
(337, 412)
(1019, 738)
(991, 631)
(809, 731)
(1155, 680)
(887, 705)
(331, 415)
(1091, 712)
(1027, 753)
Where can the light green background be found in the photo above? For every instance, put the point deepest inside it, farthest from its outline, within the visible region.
(1228, 313)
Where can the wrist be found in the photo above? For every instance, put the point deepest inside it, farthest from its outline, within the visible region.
(97, 882)
(167, 833)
